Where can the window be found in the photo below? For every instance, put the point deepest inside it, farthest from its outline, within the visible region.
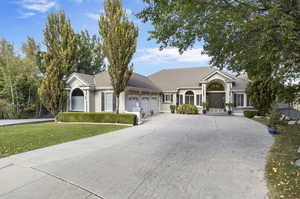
(168, 98)
(108, 102)
(77, 100)
(199, 99)
(238, 99)
(248, 101)
(189, 97)
(180, 99)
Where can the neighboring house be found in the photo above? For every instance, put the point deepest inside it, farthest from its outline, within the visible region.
(155, 93)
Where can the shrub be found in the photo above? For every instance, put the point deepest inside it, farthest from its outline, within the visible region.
(187, 109)
(274, 120)
(98, 118)
(250, 114)
(172, 108)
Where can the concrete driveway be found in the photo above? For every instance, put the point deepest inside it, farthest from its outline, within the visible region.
(168, 157)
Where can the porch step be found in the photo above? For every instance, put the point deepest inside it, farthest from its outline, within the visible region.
(217, 114)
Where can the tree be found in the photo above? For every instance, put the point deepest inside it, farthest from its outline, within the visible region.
(119, 37)
(60, 57)
(18, 90)
(89, 58)
(31, 51)
(263, 92)
(238, 35)
(289, 93)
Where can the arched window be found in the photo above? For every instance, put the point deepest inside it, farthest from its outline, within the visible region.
(189, 97)
(215, 86)
(77, 100)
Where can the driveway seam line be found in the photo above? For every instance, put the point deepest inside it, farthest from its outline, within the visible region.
(69, 182)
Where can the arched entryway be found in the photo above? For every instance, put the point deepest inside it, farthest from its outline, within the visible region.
(216, 94)
(77, 100)
(189, 97)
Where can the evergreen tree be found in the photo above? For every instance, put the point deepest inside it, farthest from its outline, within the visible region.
(60, 57)
(119, 37)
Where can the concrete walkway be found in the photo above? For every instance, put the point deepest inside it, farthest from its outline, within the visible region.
(168, 157)
(24, 121)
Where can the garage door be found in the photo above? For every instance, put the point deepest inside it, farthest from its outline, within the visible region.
(145, 105)
(131, 103)
(154, 104)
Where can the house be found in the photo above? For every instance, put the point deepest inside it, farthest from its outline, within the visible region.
(154, 93)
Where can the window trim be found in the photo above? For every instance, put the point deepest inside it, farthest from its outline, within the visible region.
(189, 96)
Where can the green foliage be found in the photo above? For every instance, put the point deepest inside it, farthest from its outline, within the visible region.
(205, 104)
(60, 57)
(98, 118)
(262, 92)
(22, 138)
(274, 120)
(289, 94)
(18, 80)
(119, 37)
(187, 109)
(238, 35)
(229, 106)
(250, 113)
(89, 56)
(172, 108)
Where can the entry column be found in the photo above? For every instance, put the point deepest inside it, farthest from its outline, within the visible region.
(203, 92)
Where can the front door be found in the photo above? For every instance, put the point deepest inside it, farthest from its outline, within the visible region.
(216, 100)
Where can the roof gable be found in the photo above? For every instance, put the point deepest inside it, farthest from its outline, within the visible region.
(218, 73)
(74, 76)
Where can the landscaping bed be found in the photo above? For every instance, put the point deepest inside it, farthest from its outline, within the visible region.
(283, 176)
(22, 138)
(121, 118)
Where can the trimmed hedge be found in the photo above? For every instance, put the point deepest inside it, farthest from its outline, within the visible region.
(250, 114)
(121, 118)
(187, 109)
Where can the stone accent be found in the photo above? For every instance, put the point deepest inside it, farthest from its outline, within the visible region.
(298, 150)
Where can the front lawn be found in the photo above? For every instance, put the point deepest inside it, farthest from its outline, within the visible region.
(22, 138)
(283, 176)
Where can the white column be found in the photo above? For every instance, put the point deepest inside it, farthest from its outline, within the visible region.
(70, 101)
(204, 92)
(87, 101)
(227, 93)
(174, 98)
(245, 100)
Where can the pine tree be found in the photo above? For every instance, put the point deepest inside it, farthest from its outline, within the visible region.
(60, 41)
(119, 37)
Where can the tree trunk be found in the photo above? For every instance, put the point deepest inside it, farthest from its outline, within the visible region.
(117, 103)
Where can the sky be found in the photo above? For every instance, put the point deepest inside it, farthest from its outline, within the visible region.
(22, 18)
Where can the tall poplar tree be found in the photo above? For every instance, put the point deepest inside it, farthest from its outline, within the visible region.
(119, 37)
(60, 41)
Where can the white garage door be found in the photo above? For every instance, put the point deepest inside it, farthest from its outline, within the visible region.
(145, 105)
(131, 103)
(154, 104)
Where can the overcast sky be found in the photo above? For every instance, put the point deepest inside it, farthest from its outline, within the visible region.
(22, 18)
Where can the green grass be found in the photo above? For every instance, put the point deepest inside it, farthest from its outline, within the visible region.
(283, 176)
(22, 138)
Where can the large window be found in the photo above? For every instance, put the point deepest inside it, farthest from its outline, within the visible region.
(238, 99)
(199, 99)
(180, 99)
(77, 100)
(168, 98)
(189, 97)
(108, 102)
